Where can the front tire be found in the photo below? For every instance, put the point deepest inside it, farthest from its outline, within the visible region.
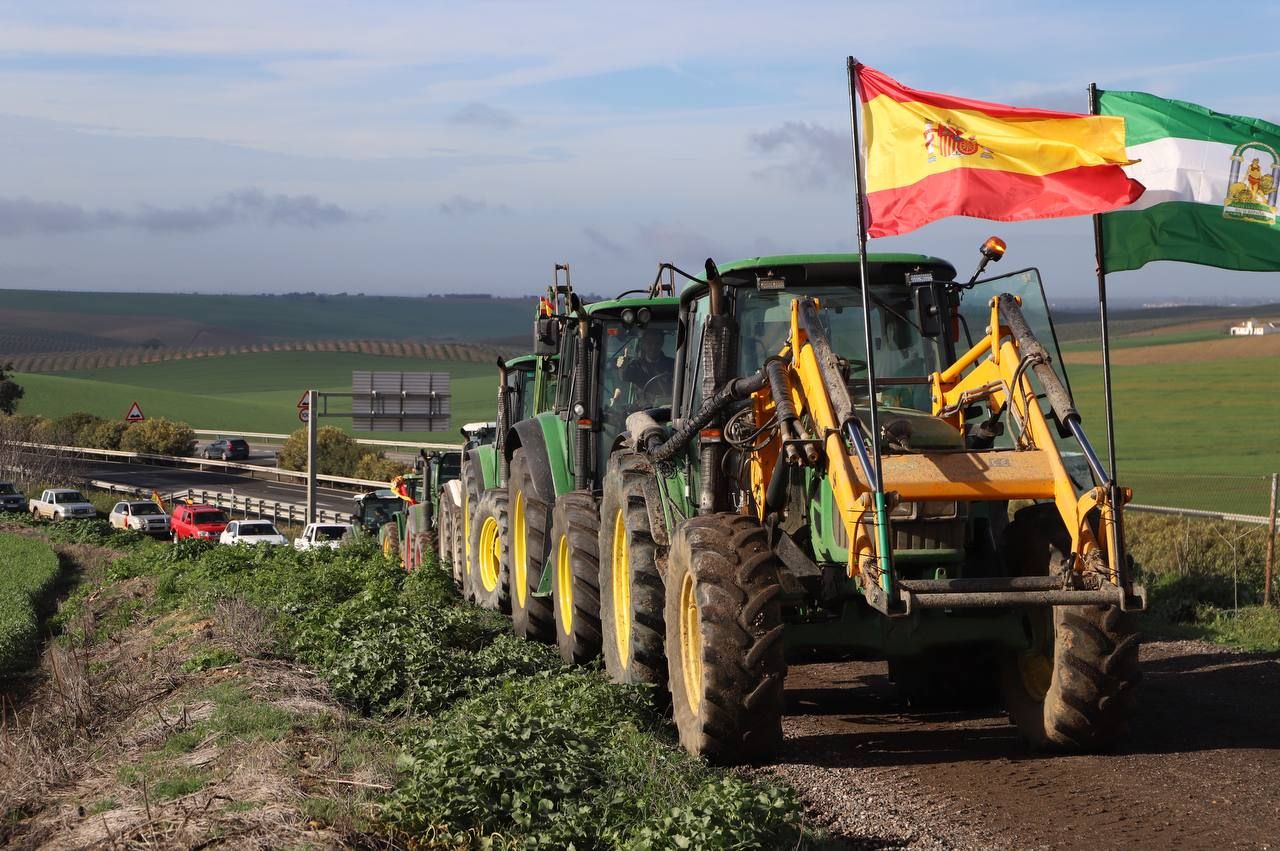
(531, 616)
(631, 595)
(575, 587)
(488, 550)
(1075, 689)
(725, 657)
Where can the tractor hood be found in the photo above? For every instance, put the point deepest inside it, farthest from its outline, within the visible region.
(920, 430)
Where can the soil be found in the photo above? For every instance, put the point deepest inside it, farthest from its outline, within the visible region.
(1201, 768)
(157, 728)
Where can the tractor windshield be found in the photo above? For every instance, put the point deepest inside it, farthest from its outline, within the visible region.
(639, 364)
(904, 358)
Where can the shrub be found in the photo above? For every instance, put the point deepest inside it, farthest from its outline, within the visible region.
(104, 435)
(65, 430)
(161, 436)
(377, 467)
(28, 572)
(337, 452)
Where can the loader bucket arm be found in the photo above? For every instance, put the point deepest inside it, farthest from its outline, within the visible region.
(810, 392)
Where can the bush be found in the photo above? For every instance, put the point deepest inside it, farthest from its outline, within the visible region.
(337, 452)
(160, 436)
(66, 430)
(378, 468)
(104, 435)
(28, 572)
(1187, 561)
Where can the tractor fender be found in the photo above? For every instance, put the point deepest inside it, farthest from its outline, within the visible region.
(539, 441)
(452, 491)
(486, 458)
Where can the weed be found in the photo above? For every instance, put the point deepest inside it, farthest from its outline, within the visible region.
(252, 721)
(105, 805)
(208, 658)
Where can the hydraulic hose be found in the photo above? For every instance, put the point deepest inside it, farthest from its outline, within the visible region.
(1038, 357)
(735, 390)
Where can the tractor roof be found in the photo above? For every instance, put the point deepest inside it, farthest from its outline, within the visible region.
(522, 361)
(662, 305)
(824, 269)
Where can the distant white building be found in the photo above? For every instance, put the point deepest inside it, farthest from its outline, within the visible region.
(1254, 328)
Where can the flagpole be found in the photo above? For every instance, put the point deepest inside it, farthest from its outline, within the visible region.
(881, 512)
(1099, 249)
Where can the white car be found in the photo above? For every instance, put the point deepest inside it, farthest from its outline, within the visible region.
(251, 532)
(318, 535)
(141, 516)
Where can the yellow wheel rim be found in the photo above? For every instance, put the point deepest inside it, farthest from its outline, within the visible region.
(387, 552)
(621, 577)
(690, 643)
(518, 566)
(490, 554)
(564, 584)
(1037, 674)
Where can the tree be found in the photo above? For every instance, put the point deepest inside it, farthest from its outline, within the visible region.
(377, 467)
(10, 390)
(337, 452)
(161, 436)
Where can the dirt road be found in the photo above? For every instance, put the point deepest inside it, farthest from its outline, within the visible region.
(1202, 769)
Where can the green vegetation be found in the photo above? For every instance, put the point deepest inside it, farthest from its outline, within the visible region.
(1140, 340)
(1210, 419)
(28, 573)
(337, 454)
(248, 392)
(1204, 579)
(498, 739)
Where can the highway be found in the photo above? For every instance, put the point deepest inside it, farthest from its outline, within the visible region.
(168, 480)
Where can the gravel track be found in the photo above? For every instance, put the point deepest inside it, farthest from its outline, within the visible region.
(1201, 769)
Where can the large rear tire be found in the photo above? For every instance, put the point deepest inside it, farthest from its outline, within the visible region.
(389, 538)
(488, 550)
(531, 616)
(1075, 689)
(631, 595)
(724, 639)
(575, 586)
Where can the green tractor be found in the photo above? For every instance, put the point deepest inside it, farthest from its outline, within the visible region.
(420, 520)
(615, 358)
(526, 386)
(866, 460)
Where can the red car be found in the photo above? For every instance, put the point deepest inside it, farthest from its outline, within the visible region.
(197, 521)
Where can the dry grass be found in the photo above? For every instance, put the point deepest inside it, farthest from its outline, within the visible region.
(111, 745)
(1226, 348)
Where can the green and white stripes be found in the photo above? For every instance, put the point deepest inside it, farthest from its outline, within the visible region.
(1211, 181)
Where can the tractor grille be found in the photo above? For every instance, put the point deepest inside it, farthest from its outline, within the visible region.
(918, 534)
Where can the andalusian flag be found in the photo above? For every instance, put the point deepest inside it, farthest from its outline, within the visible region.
(929, 155)
(1212, 182)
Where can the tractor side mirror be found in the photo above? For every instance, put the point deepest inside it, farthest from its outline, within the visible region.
(932, 308)
(546, 336)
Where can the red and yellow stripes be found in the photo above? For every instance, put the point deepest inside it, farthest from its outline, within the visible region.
(930, 155)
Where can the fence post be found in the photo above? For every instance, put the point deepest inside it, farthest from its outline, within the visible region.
(1271, 541)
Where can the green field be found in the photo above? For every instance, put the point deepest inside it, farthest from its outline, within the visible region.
(249, 392)
(1197, 435)
(1135, 341)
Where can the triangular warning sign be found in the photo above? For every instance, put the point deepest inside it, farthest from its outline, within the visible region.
(302, 400)
(134, 415)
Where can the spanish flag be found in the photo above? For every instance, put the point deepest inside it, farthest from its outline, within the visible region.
(928, 155)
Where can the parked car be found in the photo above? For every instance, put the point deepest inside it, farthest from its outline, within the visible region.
(196, 520)
(11, 499)
(61, 504)
(319, 535)
(251, 532)
(140, 516)
(228, 449)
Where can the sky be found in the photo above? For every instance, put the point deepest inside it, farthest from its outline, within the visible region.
(422, 147)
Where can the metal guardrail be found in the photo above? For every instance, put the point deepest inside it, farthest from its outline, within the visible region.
(295, 513)
(203, 463)
(281, 438)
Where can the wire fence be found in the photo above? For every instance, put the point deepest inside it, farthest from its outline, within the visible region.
(1248, 496)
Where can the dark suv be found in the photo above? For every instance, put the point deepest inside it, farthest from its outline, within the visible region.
(228, 449)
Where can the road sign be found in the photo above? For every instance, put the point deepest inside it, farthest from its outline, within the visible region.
(134, 415)
(399, 401)
(302, 401)
(304, 414)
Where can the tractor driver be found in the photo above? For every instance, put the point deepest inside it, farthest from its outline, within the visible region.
(648, 364)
